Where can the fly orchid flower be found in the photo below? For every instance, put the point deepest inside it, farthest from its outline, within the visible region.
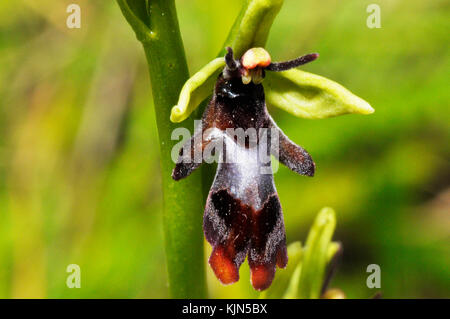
(243, 216)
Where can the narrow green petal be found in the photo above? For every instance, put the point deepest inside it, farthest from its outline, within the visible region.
(196, 89)
(317, 254)
(311, 96)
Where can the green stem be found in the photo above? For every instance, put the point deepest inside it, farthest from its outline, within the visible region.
(156, 26)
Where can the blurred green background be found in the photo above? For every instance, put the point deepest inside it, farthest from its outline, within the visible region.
(79, 160)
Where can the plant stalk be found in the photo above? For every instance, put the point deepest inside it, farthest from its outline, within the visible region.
(156, 25)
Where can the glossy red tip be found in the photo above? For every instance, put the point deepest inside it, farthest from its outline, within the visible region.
(262, 276)
(223, 266)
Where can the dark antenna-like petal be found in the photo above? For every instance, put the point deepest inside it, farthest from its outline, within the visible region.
(229, 59)
(283, 66)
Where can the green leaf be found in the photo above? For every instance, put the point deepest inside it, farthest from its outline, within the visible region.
(311, 96)
(196, 89)
(293, 285)
(333, 249)
(292, 288)
(283, 276)
(317, 254)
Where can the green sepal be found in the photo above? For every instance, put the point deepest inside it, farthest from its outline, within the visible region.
(196, 89)
(311, 96)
